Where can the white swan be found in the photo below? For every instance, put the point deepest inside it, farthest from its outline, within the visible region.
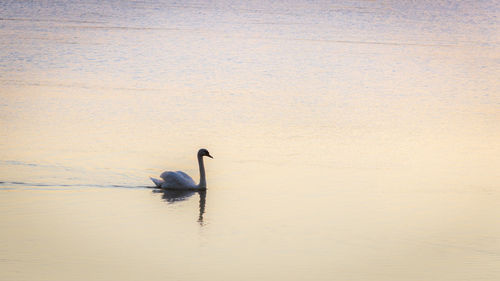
(180, 180)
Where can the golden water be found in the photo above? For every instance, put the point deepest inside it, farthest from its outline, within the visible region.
(353, 140)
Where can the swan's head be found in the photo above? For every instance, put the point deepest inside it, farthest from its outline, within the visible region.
(203, 152)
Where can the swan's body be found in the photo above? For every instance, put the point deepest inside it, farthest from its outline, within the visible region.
(180, 180)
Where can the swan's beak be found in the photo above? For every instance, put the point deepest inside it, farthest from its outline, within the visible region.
(210, 156)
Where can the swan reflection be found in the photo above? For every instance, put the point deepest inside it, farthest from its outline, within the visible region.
(172, 196)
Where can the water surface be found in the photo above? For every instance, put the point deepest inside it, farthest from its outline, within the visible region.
(353, 140)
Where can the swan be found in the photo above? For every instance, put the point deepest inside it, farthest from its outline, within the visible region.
(180, 180)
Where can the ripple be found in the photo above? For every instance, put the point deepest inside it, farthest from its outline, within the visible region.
(8, 185)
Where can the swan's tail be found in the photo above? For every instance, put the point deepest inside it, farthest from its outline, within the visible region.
(157, 182)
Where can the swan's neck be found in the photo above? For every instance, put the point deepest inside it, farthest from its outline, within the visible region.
(203, 181)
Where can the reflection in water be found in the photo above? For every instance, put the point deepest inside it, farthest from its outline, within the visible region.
(174, 195)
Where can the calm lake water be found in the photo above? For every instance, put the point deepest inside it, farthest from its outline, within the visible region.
(353, 140)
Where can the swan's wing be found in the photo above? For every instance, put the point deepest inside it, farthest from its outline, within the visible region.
(184, 175)
(177, 179)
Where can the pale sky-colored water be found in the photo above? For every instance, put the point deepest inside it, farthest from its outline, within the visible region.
(353, 140)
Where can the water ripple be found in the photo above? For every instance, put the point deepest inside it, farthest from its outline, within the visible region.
(6, 185)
